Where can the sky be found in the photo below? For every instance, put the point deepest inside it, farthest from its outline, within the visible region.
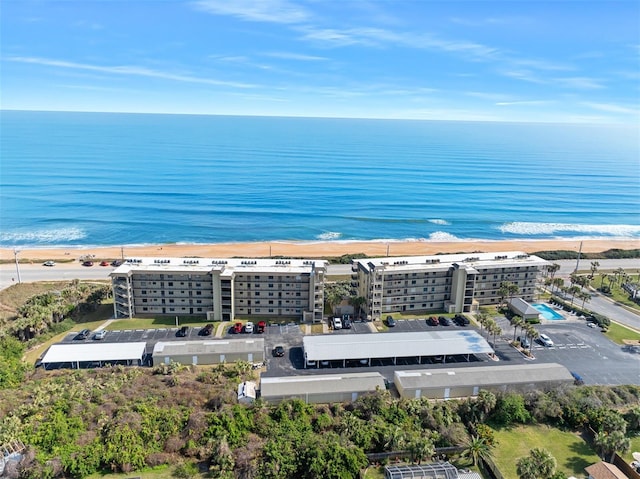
(517, 60)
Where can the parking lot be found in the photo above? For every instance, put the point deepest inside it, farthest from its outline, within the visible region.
(579, 348)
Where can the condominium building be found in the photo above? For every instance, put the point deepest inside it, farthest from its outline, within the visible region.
(221, 289)
(455, 283)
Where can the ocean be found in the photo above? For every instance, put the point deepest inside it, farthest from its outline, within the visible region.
(101, 179)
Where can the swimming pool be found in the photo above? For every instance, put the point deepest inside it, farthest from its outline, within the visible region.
(547, 312)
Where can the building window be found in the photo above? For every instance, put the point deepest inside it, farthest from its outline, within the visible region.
(198, 293)
(145, 309)
(170, 283)
(144, 300)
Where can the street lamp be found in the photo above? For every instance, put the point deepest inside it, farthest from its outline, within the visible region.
(15, 254)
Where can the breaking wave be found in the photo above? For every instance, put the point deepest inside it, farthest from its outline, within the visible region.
(48, 236)
(438, 221)
(329, 235)
(524, 228)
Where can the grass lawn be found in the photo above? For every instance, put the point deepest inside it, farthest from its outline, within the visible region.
(571, 452)
(618, 332)
(635, 447)
(153, 323)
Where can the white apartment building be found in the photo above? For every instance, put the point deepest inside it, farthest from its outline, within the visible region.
(455, 283)
(220, 289)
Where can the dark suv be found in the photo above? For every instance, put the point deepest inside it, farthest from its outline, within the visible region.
(206, 331)
(84, 334)
(183, 331)
(278, 351)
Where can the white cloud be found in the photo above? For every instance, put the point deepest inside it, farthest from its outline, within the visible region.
(128, 70)
(611, 108)
(524, 102)
(295, 56)
(581, 83)
(273, 11)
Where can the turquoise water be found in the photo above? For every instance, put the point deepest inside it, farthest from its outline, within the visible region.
(547, 312)
(121, 179)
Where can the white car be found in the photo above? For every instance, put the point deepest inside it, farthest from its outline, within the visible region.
(545, 340)
(337, 323)
(49, 263)
(248, 328)
(100, 334)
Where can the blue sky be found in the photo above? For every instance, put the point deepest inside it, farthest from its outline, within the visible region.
(555, 61)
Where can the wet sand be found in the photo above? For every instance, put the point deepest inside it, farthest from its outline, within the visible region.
(313, 249)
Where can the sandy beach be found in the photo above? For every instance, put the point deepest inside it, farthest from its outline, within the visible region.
(314, 249)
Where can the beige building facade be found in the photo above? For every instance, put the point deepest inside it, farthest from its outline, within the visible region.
(456, 283)
(220, 289)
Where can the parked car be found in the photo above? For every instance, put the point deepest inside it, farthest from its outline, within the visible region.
(84, 334)
(337, 323)
(461, 320)
(237, 328)
(346, 323)
(49, 263)
(278, 351)
(592, 325)
(391, 322)
(545, 340)
(444, 321)
(248, 328)
(183, 332)
(207, 330)
(104, 263)
(116, 262)
(433, 321)
(100, 334)
(87, 263)
(524, 342)
(262, 325)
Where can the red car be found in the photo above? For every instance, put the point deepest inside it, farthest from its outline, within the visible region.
(104, 263)
(237, 328)
(261, 326)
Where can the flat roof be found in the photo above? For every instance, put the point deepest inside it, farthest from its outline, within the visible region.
(482, 375)
(224, 265)
(94, 351)
(213, 346)
(393, 345)
(473, 260)
(324, 383)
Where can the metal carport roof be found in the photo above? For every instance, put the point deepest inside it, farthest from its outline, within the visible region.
(393, 345)
(333, 383)
(94, 352)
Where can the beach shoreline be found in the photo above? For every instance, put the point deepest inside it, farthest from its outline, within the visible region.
(313, 249)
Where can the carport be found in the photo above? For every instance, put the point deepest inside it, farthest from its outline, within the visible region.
(214, 351)
(94, 354)
(468, 381)
(326, 388)
(365, 347)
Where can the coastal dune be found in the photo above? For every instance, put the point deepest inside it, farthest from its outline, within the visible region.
(321, 249)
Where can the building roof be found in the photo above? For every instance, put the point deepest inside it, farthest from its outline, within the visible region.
(394, 345)
(223, 265)
(466, 260)
(522, 307)
(434, 470)
(605, 470)
(94, 352)
(213, 346)
(316, 384)
(481, 376)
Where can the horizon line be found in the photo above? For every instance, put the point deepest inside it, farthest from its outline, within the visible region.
(541, 122)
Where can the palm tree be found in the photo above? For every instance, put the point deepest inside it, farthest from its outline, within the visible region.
(584, 296)
(486, 402)
(608, 443)
(539, 464)
(477, 449)
(357, 304)
(594, 268)
(495, 330)
(421, 448)
(516, 322)
(573, 290)
(558, 283)
(552, 269)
